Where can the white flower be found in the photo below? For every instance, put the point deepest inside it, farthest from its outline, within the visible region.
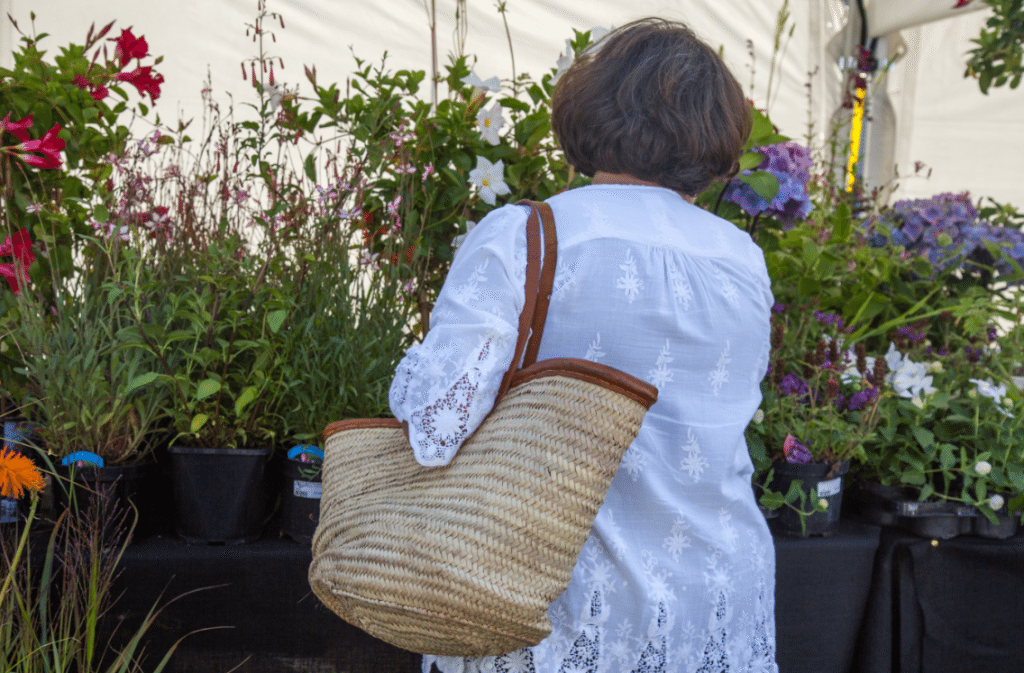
(989, 389)
(564, 61)
(457, 241)
(598, 32)
(893, 358)
(490, 178)
(759, 416)
(996, 502)
(823, 502)
(935, 367)
(276, 93)
(490, 121)
(480, 85)
(918, 402)
(983, 467)
(34, 208)
(910, 380)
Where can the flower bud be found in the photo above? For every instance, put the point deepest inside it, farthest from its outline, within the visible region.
(823, 502)
(996, 502)
(983, 467)
(759, 416)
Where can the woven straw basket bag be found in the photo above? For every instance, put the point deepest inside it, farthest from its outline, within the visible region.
(464, 560)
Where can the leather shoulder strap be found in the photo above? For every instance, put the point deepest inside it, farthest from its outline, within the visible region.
(533, 276)
(547, 281)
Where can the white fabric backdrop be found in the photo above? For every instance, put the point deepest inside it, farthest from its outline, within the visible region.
(969, 141)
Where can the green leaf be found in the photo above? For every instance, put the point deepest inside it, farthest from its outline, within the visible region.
(924, 436)
(772, 500)
(207, 388)
(915, 477)
(246, 398)
(275, 319)
(139, 381)
(763, 183)
(198, 421)
(750, 160)
(100, 213)
(310, 167)
(841, 230)
(144, 109)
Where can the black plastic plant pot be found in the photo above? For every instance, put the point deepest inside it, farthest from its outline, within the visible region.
(300, 500)
(1006, 528)
(817, 484)
(898, 506)
(219, 494)
(116, 490)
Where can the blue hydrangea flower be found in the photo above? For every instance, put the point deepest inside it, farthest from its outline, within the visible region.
(790, 163)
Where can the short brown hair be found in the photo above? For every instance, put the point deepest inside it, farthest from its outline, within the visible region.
(654, 101)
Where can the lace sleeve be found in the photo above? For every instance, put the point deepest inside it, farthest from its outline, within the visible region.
(445, 386)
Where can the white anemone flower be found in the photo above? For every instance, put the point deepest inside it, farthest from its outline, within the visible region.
(564, 61)
(490, 178)
(480, 85)
(490, 121)
(983, 467)
(996, 502)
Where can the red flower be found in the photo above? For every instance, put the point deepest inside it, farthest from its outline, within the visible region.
(20, 247)
(49, 145)
(961, 3)
(128, 47)
(144, 80)
(17, 129)
(97, 91)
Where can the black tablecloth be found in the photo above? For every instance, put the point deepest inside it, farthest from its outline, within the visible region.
(276, 621)
(821, 593)
(939, 606)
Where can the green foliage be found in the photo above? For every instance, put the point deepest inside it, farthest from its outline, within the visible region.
(86, 391)
(997, 59)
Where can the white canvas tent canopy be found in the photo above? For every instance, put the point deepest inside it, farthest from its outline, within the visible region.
(922, 109)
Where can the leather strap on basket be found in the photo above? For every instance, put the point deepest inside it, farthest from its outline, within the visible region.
(539, 281)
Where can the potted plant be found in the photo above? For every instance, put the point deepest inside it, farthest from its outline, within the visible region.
(348, 328)
(96, 411)
(947, 457)
(820, 406)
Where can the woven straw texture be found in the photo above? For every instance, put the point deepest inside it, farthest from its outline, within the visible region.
(464, 560)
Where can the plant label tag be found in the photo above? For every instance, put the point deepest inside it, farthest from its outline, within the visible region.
(307, 489)
(830, 487)
(8, 510)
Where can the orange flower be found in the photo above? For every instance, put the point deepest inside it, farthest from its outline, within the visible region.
(17, 473)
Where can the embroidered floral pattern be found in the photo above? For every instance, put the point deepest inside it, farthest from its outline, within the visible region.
(681, 289)
(661, 375)
(470, 291)
(594, 353)
(720, 376)
(729, 289)
(629, 282)
(694, 462)
(677, 539)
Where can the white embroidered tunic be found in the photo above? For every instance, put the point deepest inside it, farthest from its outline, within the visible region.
(678, 572)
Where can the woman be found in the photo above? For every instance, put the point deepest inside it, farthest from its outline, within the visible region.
(678, 572)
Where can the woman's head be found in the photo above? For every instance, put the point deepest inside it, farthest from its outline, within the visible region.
(653, 101)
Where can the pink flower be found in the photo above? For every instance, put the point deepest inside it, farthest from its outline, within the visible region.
(17, 129)
(128, 47)
(20, 247)
(49, 145)
(795, 451)
(144, 80)
(97, 91)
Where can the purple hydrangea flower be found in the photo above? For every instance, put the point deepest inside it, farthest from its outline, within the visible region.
(790, 163)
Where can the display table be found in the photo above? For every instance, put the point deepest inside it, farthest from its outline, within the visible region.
(263, 613)
(944, 605)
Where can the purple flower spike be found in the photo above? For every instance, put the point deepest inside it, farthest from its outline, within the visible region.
(792, 384)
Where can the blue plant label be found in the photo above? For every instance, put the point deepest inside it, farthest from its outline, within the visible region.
(312, 450)
(307, 489)
(83, 457)
(830, 487)
(8, 510)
